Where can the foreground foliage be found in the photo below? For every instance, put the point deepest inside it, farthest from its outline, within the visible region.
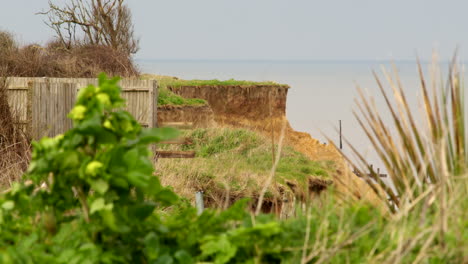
(90, 196)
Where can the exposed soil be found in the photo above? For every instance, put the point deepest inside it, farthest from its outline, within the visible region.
(200, 116)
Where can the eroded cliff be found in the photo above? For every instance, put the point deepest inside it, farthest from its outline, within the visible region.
(263, 108)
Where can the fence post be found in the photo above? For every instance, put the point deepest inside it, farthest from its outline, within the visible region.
(199, 202)
(154, 104)
(29, 112)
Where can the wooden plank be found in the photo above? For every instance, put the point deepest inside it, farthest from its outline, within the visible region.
(136, 90)
(18, 88)
(175, 154)
(29, 113)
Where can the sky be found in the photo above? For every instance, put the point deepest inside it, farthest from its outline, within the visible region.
(276, 29)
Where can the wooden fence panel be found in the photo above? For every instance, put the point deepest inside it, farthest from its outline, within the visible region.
(18, 102)
(51, 102)
(42, 104)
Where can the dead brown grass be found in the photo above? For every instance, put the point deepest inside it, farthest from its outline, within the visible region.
(14, 145)
(52, 60)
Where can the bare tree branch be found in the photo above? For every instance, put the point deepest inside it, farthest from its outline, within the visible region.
(95, 22)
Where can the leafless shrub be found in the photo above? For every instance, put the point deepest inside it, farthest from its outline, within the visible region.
(93, 22)
(53, 60)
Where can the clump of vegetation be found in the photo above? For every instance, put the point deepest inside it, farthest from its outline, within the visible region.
(90, 37)
(174, 83)
(53, 60)
(167, 97)
(14, 145)
(236, 161)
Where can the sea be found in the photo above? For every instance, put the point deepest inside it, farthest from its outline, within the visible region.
(322, 92)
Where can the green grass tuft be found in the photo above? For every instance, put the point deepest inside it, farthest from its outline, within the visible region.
(167, 97)
(240, 158)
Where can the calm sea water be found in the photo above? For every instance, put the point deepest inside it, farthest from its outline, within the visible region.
(321, 92)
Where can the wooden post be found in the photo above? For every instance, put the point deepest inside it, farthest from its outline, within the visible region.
(29, 113)
(199, 202)
(154, 105)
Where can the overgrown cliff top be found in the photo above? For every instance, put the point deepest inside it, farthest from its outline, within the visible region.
(167, 97)
(165, 81)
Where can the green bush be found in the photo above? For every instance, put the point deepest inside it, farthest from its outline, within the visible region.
(166, 97)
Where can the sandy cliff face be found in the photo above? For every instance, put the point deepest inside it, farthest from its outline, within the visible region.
(263, 108)
(234, 103)
(258, 107)
(200, 116)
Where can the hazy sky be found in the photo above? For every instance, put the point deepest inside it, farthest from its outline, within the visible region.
(277, 29)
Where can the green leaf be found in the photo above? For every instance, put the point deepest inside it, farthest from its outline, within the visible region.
(220, 248)
(183, 257)
(100, 204)
(166, 197)
(100, 186)
(155, 135)
(8, 205)
(152, 245)
(92, 124)
(109, 219)
(166, 259)
(138, 179)
(142, 211)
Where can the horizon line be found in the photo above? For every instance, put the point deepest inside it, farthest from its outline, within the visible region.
(293, 60)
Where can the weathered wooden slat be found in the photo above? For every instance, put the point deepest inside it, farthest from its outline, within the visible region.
(175, 154)
(18, 88)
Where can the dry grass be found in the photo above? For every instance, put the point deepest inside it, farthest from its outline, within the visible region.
(426, 159)
(52, 60)
(14, 145)
(419, 157)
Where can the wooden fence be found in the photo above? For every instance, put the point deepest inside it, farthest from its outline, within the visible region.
(41, 105)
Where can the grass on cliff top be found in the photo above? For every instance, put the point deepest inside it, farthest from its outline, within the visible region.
(231, 82)
(165, 81)
(167, 97)
(237, 161)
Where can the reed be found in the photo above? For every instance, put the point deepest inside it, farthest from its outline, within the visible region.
(423, 155)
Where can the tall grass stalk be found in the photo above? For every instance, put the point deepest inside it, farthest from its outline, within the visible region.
(273, 169)
(423, 162)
